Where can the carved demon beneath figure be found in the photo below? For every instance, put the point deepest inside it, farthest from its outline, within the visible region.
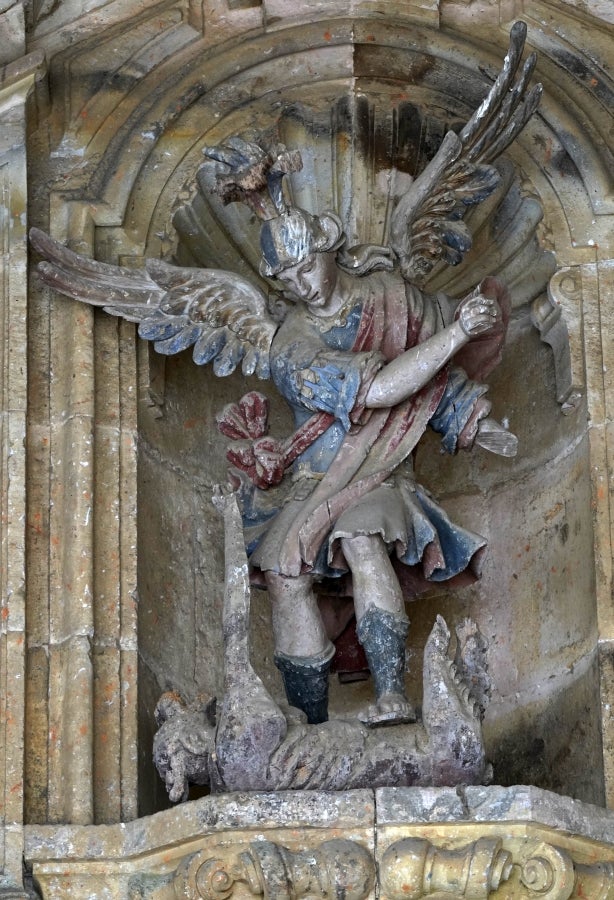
(366, 362)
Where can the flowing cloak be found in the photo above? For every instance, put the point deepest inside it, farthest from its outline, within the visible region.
(358, 474)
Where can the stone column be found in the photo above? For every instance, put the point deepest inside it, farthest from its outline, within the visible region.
(586, 293)
(81, 701)
(16, 81)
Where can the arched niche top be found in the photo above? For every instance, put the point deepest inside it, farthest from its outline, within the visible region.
(133, 143)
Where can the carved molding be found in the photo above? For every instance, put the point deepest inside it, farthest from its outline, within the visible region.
(414, 868)
(550, 314)
(512, 842)
(17, 80)
(409, 869)
(336, 868)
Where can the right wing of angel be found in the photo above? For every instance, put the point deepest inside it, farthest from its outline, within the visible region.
(222, 315)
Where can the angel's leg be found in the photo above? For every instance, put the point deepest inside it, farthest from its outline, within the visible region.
(303, 650)
(382, 626)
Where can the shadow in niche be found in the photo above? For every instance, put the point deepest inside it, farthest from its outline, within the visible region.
(556, 747)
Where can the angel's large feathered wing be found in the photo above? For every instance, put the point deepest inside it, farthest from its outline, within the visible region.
(427, 223)
(222, 315)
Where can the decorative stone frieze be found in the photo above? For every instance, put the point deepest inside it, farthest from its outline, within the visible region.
(334, 868)
(397, 844)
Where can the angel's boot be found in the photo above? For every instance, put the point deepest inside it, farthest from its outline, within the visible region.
(382, 635)
(305, 681)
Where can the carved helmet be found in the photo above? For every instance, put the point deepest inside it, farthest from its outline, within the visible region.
(290, 237)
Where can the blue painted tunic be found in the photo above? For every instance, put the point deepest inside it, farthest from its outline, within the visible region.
(408, 519)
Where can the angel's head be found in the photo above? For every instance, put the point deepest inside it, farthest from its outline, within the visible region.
(299, 249)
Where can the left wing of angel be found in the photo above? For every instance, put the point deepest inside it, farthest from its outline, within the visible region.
(427, 223)
(222, 315)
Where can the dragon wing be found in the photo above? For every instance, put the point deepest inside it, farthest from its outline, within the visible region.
(222, 315)
(427, 225)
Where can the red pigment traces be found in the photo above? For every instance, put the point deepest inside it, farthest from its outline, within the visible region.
(327, 36)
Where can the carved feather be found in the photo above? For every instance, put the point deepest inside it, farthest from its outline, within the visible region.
(222, 315)
(426, 224)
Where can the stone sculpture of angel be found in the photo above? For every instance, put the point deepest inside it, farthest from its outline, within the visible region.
(366, 362)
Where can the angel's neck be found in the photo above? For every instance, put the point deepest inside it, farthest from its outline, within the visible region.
(338, 300)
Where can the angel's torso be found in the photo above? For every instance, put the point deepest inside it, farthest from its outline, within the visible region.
(382, 318)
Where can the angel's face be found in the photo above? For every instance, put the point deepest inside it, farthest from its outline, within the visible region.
(313, 279)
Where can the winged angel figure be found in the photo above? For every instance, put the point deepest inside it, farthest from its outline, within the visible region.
(366, 362)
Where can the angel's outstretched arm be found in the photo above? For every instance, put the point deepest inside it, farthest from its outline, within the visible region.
(412, 370)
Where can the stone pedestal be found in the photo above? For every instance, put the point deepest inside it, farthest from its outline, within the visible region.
(395, 843)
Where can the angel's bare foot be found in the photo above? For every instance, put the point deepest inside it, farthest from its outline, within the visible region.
(389, 709)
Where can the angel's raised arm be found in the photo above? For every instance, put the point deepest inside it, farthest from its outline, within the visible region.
(222, 315)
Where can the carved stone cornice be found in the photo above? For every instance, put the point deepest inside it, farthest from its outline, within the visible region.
(410, 869)
(397, 844)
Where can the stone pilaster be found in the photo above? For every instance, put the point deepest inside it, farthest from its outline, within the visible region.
(16, 81)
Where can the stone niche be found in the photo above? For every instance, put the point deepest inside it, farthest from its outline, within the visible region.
(112, 551)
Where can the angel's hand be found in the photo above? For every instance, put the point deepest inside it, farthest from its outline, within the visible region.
(306, 380)
(326, 388)
(320, 386)
(478, 315)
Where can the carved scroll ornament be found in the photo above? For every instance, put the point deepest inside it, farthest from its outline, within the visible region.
(338, 868)
(414, 868)
(410, 869)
